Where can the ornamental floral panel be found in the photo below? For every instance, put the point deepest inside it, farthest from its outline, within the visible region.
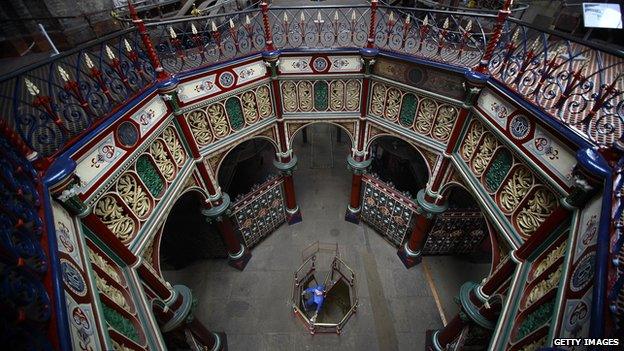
(419, 114)
(341, 95)
(223, 118)
(456, 232)
(386, 210)
(260, 212)
(118, 308)
(521, 196)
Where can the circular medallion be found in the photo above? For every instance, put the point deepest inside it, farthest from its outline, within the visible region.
(81, 321)
(519, 127)
(127, 134)
(583, 273)
(415, 76)
(319, 64)
(226, 79)
(72, 278)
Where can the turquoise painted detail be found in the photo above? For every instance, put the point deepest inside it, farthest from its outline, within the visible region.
(148, 173)
(408, 109)
(120, 323)
(498, 169)
(235, 113)
(321, 96)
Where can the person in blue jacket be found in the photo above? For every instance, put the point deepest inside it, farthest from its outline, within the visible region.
(318, 296)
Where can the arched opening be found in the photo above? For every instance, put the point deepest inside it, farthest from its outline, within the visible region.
(186, 236)
(458, 248)
(246, 165)
(322, 180)
(397, 162)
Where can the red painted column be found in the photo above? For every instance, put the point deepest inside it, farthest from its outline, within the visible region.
(503, 13)
(446, 335)
(161, 74)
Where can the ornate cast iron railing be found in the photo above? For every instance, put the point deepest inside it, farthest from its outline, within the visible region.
(50, 104)
(457, 38)
(576, 82)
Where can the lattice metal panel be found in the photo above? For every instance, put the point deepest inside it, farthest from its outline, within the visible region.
(386, 210)
(260, 212)
(455, 232)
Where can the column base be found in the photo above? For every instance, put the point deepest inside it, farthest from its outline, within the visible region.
(408, 257)
(221, 342)
(240, 259)
(352, 215)
(431, 341)
(293, 216)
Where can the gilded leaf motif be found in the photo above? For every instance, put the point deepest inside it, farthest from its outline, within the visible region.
(515, 188)
(472, 140)
(444, 123)
(426, 114)
(218, 120)
(163, 162)
(111, 292)
(289, 96)
(486, 151)
(535, 212)
(353, 95)
(200, 127)
(114, 217)
(263, 97)
(250, 110)
(305, 96)
(336, 101)
(173, 143)
(133, 194)
(378, 100)
(393, 104)
(103, 264)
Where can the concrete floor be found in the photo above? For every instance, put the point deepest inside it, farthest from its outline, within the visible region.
(396, 305)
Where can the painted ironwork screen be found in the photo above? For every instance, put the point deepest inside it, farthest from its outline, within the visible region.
(456, 232)
(387, 210)
(261, 211)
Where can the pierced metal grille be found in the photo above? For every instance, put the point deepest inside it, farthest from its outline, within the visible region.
(455, 232)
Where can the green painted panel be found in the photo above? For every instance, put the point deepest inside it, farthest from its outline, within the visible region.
(498, 169)
(235, 112)
(408, 109)
(120, 323)
(535, 320)
(149, 175)
(321, 96)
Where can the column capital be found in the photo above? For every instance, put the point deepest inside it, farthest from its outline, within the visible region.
(217, 211)
(286, 167)
(183, 311)
(469, 307)
(358, 167)
(428, 208)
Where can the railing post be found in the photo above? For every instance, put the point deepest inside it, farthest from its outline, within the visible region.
(161, 74)
(371, 30)
(267, 28)
(503, 13)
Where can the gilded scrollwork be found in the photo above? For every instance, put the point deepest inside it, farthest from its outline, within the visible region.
(336, 97)
(120, 347)
(378, 100)
(444, 123)
(515, 188)
(112, 214)
(289, 96)
(200, 127)
(163, 162)
(218, 120)
(353, 95)
(549, 260)
(425, 115)
(103, 264)
(175, 147)
(306, 103)
(472, 140)
(535, 212)
(485, 153)
(534, 345)
(250, 109)
(543, 287)
(263, 98)
(393, 104)
(111, 292)
(133, 194)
